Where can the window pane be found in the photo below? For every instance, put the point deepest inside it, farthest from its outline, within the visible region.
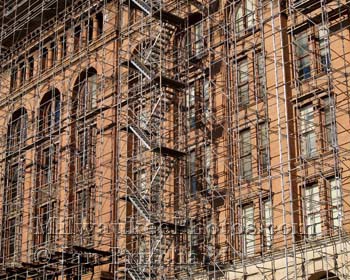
(263, 140)
(307, 130)
(268, 222)
(11, 237)
(192, 172)
(303, 56)
(336, 202)
(207, 164)
(142, 177)
(92, 84)
(260, 64)
(328, 129)
(57, 109)
(243, 89)
(312, 210)
(245, 147)
(239, 18)
(248, 229)
(250, 12)
(245, 154)
(198, 30)
(191, 106)
(206, 96)
(307, 118)
(243, 72)
(246, 167)
(324, 44)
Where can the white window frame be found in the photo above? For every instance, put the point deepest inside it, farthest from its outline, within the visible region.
(336, 202)
(268, 223)
(312, 209)
(307, 131)
(243, 83)
(245, 154)
(303, 56)
(248, 234)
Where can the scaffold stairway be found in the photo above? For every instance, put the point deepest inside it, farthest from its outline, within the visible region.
(140, 203)
(136, 274)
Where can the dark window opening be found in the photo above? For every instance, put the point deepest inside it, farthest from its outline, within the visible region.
(50, 108)
(90, 30)
(46, 226)
(263, 147)
(77, 38)
(63, 41)
(16, 133)
(85, 150)
(14, 78)
(303, 56)
(243, 83)
(22, 77)
(245, 154)
(48, 165)
(86, 92)
(44, 59)
(30, 67)
(53, 47)
(192, 161)
(99, 18)
(10, 238)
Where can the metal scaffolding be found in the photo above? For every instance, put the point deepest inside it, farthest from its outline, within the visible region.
(174, 139)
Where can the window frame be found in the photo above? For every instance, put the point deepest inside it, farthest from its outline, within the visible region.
(324, 45)
(17, 131)
(267, 223)
(85, 156)
(260, 75)
(191, 106)
(311, 210)
(303, 56)
(207, 162)
(244, 19)
(10, 234)
(198, 38)
(263, 147)
(243, 94)
(336, 202)
(44, 59)
(48, 164)
(248, 238)
(84, 205)
(328, 122)
(308, 143)
(192, 172)
(245, 155)
(50, 112)
(87, 91)
(47, 226)
(206, 99)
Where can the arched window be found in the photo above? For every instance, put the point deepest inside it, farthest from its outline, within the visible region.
(245, 15)
(49, 112)
(239, 18)
(16, 132)
(49, 116)
(84, 134)
(12, 196)
(323, 275)
(85, 92)
(84, 100)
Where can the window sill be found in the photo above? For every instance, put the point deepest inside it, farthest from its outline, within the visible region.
(246, 33)
(85, 177)
(314, 75)
(308, 158)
